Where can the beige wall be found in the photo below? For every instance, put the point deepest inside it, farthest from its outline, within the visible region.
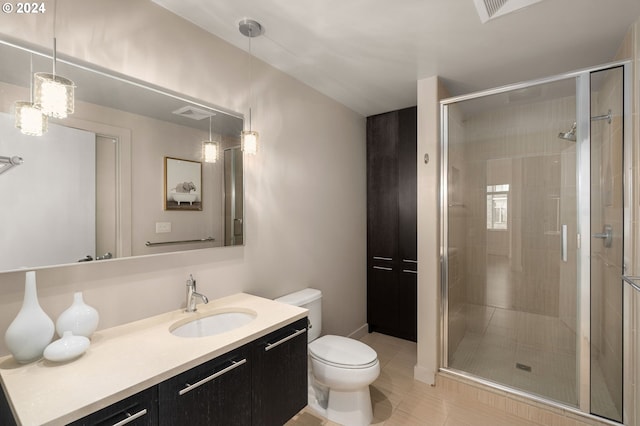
(305, 190)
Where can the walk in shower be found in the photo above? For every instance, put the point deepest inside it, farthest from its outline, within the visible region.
(533, 254)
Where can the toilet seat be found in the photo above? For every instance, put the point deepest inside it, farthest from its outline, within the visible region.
(342, 352)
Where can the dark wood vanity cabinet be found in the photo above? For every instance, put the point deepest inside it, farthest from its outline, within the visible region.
(261, 383)
(392, 223)
(217, 392)
(279, 374)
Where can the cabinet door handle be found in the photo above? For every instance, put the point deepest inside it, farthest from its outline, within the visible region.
(383, 268)
(131, 417)
(281, 341)
(189, 388)
(410, 271)
(409, 261)
(382, 258)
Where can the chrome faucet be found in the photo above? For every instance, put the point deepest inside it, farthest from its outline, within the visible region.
(192, 294)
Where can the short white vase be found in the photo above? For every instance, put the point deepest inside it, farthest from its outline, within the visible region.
(79, 318)
(32, 329)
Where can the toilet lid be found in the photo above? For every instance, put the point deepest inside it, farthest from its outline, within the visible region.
(342, 351)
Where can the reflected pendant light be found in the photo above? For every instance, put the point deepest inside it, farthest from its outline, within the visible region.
(29, 119)
(210, 148)
(53, 94)
(250, 29)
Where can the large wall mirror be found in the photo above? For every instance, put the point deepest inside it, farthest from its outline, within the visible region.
(95, 186)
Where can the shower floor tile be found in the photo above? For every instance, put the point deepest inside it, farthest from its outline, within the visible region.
(543, 344)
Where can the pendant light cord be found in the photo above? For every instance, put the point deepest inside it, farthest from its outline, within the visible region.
(250, 76)
(210, 117)
(31, 78)
(55, 7)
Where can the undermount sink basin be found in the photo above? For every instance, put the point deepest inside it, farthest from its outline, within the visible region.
(212, 324)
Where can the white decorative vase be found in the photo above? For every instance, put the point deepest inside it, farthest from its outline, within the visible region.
(79, 318)
(32, 329)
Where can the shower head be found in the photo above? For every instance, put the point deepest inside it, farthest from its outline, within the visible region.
(570, 135)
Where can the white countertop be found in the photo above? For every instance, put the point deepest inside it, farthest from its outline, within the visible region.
(127, 359)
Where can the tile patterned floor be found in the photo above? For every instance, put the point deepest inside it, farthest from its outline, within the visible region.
(400, 400)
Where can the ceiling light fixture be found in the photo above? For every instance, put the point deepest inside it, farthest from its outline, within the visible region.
(29, 119)
(53, 94)
(210, 148)
(250, 29)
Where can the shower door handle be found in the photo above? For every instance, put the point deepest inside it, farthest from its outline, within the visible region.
(563, 242)
(606, 235)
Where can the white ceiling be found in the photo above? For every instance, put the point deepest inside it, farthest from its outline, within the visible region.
(368, 54)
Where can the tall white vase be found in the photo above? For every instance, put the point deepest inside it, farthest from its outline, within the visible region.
(32, 329)
(79, 318)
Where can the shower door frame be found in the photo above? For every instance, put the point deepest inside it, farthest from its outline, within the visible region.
(583, 175)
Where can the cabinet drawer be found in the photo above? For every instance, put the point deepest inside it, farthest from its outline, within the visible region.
(216, 392)
(140, 409)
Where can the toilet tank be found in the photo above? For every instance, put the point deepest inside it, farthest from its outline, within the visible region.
(310, 299)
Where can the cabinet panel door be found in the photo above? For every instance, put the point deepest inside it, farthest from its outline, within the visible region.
(217, 392)
(280, 375)
(382, 184)
(382, 300)
(407, 304)
(408, 182)
(140, 409)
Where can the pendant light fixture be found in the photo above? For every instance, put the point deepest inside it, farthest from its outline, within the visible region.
(250, 29)
(210, 148)
(29, 119)
(53, 94)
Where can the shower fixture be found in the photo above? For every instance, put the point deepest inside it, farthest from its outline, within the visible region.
(571, 134)
(606, 116)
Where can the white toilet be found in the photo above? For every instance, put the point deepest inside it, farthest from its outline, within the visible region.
(341, 369)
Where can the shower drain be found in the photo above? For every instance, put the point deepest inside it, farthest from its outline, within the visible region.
(523, 367)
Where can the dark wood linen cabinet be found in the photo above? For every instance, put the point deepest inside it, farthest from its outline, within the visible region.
(392, 223)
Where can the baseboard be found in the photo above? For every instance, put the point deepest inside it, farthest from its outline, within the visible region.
(424, 375)
(360, 332)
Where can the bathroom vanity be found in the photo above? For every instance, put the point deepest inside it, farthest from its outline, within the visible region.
(142, 374)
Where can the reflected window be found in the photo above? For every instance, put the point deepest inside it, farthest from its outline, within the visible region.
(497, 206)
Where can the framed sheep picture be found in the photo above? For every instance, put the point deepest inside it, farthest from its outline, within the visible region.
(182, 184)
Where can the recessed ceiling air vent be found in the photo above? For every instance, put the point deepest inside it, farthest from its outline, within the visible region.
(490, 9)
(193, 113)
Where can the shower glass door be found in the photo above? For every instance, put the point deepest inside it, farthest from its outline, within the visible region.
(517, 167)
(607, 261)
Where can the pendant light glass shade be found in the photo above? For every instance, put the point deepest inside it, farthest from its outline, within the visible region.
(249, 142)
(210, 150)
(30, 120)
(53, 94)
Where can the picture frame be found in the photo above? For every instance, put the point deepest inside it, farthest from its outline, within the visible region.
(182, 184)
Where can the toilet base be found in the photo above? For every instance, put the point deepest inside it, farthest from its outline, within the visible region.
(352, 408)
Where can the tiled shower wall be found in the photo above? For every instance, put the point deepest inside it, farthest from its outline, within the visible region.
(526, 134)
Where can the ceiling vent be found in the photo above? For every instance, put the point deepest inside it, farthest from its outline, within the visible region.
(491, 9)
(193, 113)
